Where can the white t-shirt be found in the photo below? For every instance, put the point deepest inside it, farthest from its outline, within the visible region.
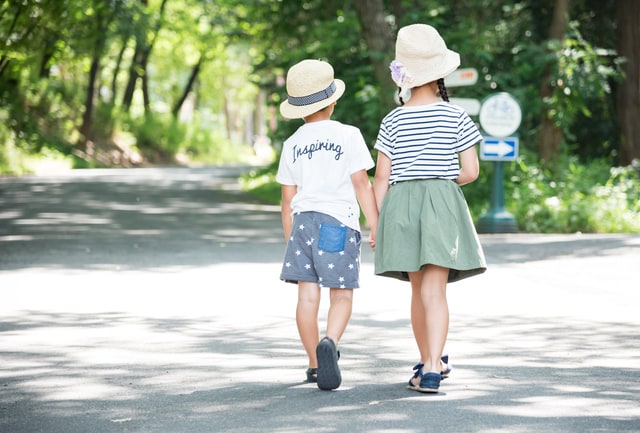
(319, 158)
(423, 142)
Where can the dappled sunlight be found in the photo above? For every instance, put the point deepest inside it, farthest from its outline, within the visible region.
(214, 364)
(69, 388)
(159, 308)
(563, 406)
(144, 210)
(62, 218)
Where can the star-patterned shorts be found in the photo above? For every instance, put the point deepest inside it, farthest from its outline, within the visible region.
(322, 250)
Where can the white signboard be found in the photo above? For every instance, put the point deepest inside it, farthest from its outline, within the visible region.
(500, 115)
(461, 77)
(471, 106)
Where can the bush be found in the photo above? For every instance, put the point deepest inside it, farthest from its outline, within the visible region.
(209, 146)
(156, 138)
(588, 198)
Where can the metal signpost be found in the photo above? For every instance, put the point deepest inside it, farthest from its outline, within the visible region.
(500, 117)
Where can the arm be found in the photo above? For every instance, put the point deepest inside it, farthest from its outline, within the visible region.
(364, 193)
(381, 178)
(469, 166)
(288, 191)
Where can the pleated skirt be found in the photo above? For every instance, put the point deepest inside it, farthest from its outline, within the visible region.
(427, 222)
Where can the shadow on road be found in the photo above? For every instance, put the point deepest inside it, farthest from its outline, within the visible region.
(149, 218)
(133, 219)
(197, 334)
(195, 374)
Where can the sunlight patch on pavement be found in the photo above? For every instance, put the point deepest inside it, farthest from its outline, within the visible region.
(567, 407)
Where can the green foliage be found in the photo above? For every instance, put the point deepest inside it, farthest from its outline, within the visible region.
(206, 145)
(584, 80)
(158, 138)
(261, 183)
(241, 51)
(591, 198)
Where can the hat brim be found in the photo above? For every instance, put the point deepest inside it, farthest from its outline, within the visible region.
(289, 111)
(451, 63)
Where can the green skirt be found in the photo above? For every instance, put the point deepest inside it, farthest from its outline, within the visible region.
(427, 222)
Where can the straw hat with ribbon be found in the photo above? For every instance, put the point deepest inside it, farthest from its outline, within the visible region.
(310, 88)
(421, 57)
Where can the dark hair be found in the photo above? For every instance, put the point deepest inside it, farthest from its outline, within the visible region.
(442, 90)
(400, 96)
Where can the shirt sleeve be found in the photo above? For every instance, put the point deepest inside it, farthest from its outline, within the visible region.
(362, 159)
(468, 133)
(285, 175)
(384, 142)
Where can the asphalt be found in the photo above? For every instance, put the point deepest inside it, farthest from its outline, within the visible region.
(148, 300)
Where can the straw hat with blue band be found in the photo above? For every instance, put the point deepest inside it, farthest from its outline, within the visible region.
(310, 88)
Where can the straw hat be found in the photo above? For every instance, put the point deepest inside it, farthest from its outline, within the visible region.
(421, 57)
(310, 88)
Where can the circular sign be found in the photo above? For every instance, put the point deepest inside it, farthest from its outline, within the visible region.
(500, 115)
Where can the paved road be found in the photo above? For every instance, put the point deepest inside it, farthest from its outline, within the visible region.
(147, 300)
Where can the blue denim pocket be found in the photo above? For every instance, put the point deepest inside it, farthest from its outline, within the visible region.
(332, 238)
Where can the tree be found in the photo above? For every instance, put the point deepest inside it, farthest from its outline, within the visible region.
(380, 42)
(628, 95)
(551, 135)
(138, 69)
(68, 71)
(102, 16)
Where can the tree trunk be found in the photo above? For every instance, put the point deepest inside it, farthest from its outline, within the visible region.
(47, 55)
(551, 135)
(628, 94)
(397, 9)
(134, 74)
(4, 59)
(379, 40)
(146, 101)
(187, 89)
(87, 116)
(139, 63)
(116, 70)
(227, 117)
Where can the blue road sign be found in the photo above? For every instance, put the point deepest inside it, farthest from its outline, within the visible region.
(499, 149)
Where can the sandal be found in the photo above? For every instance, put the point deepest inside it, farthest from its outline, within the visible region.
(447, 367)
(444, 373)
(329, 376)
(429, 382)
(312, 375)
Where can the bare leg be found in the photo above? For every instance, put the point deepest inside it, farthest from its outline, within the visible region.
(307, 319)
(430, 329)
(341, 302)
(418, 315)
(329, 376)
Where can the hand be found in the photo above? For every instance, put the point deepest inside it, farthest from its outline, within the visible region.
(372, 241)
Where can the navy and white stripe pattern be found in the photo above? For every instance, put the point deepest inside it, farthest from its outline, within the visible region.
(300, 101)
(423, 142)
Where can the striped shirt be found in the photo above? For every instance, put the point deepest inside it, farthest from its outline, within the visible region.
(423, 142)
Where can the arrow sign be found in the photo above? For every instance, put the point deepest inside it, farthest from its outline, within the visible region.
(499, 149)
